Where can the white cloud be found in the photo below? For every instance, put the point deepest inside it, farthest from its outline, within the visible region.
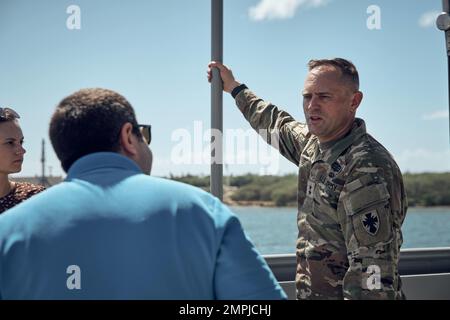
(428, 19)
(281, 9)
(440, 114)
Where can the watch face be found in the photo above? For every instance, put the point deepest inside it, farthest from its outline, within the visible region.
(443, 21)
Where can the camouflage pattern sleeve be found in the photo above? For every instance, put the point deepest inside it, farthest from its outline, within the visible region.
(277, 127)
(371, 210)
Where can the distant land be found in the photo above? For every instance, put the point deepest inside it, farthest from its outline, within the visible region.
(422, 189)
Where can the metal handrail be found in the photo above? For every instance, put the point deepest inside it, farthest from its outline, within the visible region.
(412, 262)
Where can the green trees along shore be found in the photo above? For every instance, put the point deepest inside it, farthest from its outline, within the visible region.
(422, 189)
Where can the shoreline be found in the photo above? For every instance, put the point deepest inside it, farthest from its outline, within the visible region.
(270, 204)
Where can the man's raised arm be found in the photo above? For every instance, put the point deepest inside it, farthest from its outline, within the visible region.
(277, 127)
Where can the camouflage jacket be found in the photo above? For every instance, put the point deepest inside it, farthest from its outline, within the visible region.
(351, 205)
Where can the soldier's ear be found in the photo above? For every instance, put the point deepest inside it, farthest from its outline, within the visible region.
(356, 100)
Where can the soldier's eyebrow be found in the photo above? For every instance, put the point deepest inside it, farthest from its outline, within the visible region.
(316, 93)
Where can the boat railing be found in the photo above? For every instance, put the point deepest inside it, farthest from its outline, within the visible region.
(425, 272)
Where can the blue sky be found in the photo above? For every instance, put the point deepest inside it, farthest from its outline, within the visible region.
(155, 53)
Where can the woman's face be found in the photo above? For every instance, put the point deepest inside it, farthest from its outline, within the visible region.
(11, 150)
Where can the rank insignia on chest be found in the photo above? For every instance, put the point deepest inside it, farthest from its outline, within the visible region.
(371, 222)
(310, 189)
(336, 167)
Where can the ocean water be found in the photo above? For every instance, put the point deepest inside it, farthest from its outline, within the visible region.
(274, 230)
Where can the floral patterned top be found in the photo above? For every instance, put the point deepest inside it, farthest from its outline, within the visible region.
(21, 192)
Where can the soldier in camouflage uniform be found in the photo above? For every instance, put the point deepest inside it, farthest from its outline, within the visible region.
(351, 199)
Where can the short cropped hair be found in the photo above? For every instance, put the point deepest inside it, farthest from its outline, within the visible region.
(347, 68)
(88, 121)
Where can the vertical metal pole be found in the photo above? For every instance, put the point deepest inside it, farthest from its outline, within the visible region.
(216, 100)
(446, 9)
(446, 6)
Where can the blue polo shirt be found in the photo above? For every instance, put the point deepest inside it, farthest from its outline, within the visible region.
(110, 232)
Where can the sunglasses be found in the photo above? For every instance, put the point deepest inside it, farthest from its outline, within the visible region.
(7, 112)
(146, 131)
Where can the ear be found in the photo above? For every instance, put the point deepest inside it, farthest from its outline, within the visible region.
(128, 140)
(356, 101)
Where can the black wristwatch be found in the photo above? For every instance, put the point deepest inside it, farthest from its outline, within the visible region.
(238, 89)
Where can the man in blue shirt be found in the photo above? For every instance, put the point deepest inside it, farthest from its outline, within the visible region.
(110, 231)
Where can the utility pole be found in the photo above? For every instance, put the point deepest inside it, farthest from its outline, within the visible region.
(44, 181)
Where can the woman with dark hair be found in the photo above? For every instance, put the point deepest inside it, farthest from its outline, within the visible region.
(11, 159)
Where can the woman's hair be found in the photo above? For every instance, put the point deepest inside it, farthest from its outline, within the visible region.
(8, 114)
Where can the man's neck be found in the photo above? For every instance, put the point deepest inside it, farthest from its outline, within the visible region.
(329, 143)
